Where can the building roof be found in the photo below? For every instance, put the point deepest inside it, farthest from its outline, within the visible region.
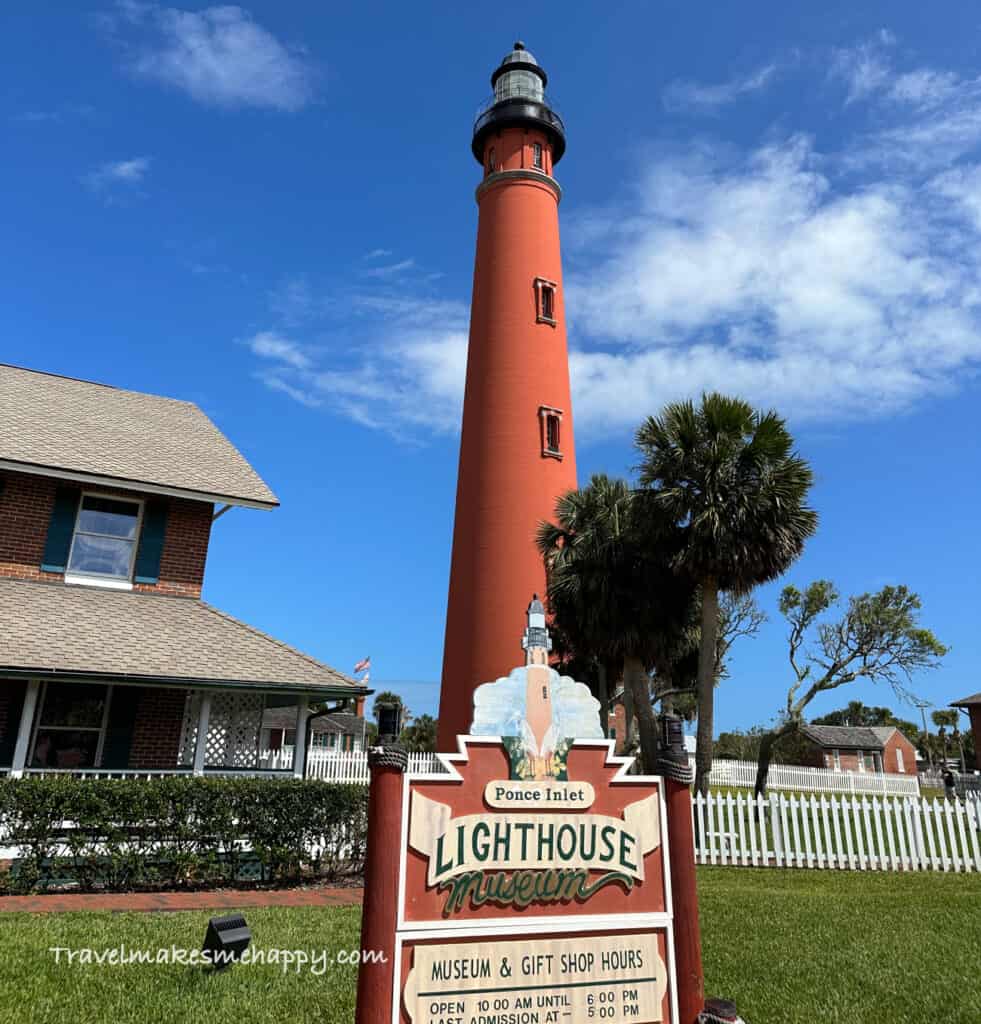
(339, 723)
(71, 428)
(849, 736)
(53, 629)
(965, 702)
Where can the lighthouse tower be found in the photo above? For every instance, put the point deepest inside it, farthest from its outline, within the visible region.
(516, 451)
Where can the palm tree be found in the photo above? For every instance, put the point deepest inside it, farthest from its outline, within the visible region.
(728, 476)
(613, 594)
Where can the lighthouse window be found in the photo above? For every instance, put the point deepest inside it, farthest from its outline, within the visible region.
(545, 299)
(551, 420)
(536, 153)
(490, 161)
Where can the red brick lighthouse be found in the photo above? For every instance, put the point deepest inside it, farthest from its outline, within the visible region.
(516, 452)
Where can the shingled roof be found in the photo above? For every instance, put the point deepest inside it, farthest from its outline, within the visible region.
(50, 629)
(965, 702)
(101, 434)
(848, 736)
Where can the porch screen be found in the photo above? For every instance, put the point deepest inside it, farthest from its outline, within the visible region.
(70, 726)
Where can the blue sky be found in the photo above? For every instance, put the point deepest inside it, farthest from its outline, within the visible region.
(269, 210)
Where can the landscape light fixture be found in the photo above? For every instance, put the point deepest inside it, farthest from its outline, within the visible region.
(226, 940)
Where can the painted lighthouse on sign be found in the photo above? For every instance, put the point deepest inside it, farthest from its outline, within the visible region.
(536, 711)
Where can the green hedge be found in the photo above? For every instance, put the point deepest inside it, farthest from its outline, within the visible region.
(177, 831)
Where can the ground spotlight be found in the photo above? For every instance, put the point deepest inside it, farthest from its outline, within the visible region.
(226, 940)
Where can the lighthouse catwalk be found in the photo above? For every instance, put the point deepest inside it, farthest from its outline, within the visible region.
(534, 710)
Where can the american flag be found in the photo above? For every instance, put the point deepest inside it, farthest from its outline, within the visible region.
(363, 665)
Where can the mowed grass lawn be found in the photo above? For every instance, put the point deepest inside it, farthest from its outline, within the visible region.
(792, 947)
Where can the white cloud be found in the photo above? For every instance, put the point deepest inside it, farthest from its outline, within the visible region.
(270, 345)
(219, 55)
(116, 174)
(695, 96)
(864, 68)
(400, 369)
(391, 269)
(768, 277)
(924, 87)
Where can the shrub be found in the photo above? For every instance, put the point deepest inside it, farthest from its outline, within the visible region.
(177, 831)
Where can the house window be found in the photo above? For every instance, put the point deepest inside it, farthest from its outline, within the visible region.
(289, 739)
(545, 301)
(104, 542)
(900, 763)
(332, 740)
(71, 725)
(551, 427)
(536, 154)
(873, 762)
(836, 754)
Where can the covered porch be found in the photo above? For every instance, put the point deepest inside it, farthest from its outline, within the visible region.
(122, 730)
(106, 683)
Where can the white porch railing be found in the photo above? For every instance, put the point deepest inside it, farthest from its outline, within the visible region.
(856, 833)
(146, 773)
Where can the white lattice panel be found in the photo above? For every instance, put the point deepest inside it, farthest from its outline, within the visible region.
(189, 729)
(233, 730)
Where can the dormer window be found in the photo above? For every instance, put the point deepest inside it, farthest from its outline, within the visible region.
(536, 155)
(545, 301)
(551, 428)
(105, 537)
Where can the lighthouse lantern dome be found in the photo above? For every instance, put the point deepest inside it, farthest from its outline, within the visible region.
(519, 76)
(519, 100)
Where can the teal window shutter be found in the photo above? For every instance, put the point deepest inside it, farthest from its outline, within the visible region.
(60, 530)
(123, 704)
(151, 541)
(14, 692)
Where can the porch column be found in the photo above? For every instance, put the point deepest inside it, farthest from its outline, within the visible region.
(201, 740)
(24, 729)
(300, 743)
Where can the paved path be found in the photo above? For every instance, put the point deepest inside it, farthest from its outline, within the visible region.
(60, 902)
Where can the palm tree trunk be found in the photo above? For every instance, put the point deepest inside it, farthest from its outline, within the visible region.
(637, 683)
(628, 714)
(706, 684)
(604, 697)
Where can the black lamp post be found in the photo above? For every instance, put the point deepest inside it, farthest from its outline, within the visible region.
(389, 721)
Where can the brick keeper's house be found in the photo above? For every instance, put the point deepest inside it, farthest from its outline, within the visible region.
(109, 661)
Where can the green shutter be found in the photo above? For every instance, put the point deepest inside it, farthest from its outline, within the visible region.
(60, 530)
(119, 729)
(151, 541)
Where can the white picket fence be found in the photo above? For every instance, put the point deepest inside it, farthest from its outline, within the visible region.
(742, 775)
(856, 833)
(352, 766)
(334, 766)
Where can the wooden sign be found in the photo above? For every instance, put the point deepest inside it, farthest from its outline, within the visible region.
(529, 901)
